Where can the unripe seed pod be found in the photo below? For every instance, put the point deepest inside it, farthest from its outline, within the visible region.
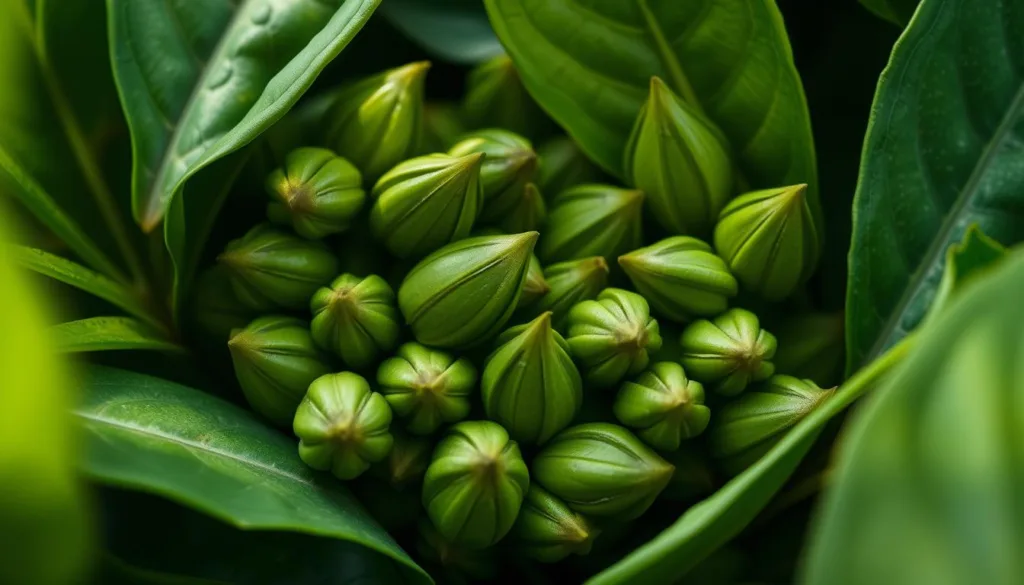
(563, 165)
(275, 360)
(663, 406)
(463, 294)
(427, 387)
(728, 352)
(442, 127)
(530, 385)
(355, 318)
(770, 240)
(376, 122)
(681, 161)
(272, 269)
(570, 283)
(592, 220)
(746, 428)
(342, 425)
(528, 213)
(680, 277)
(601, 469)
(495, 97)
(426, 202)
(547, 530)
(316, 192)
(458, 564)
(535, 286)
(509, 165)
(611, 336)
(475, 484)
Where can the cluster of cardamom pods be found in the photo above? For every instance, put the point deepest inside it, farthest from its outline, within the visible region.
(496, 340)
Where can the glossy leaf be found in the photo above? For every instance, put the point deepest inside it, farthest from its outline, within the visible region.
(944, 150)
(454, 30)
(152, 435)
(110, 333)
(895, 11)
(929, 478)
(594, 81)
(47, 532)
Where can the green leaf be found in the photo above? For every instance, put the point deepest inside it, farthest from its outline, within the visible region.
(199, 80)
(454, 30)
(46, 521)
(976, 254)
(82, 278)
(708, 525)
(945, 149)
(594, 80)
(58, 112)
(895, 11)
(110, 333)
(929, 473)
(152, 435)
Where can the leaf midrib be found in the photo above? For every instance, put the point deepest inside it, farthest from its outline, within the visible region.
(936, 249)
(148, 432)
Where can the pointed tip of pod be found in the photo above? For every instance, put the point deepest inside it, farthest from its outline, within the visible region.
(411, 73)
(659, 93)
(525, 239)
(469, 161)
(793, 195)
(632, 199)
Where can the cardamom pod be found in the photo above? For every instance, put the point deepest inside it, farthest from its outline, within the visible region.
(592, 220)
(442, 127)
(563, 165)
(547, 530)
(728, 352)
(427, 387)
(272, 269)
(342, 425)
(316, 192)
(680, 277)
(770, 240)
(680, 159)
(475, 484)
(275, 360)
(464, 293)
(509, 165)
(535, 286)
(611, 336)
(530, 384)
(426, 202)
(601, 469)
(495, 98)
(570, 283)
(663, 406)
(529, 211)
(746, 428)
(356, 318)
(376, 122)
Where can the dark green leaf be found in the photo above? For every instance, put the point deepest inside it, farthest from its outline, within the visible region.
(895, 11)
(945, 149)
(152, 435)
(454, 30)
(110, 333)
(729, 57)
(974, 255)
(930, 474)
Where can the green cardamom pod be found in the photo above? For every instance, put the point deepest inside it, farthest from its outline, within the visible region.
(356, 318)
(406, 462)
(509, 165)
(464, 293)
(770, 240)
(601, 469)
(377, 122)
(563, 165)
(529, 212)
(475, 484)
(425, 202)
(693, 478)
(427, 387)
(811, 345)
(458, 565)
(535, 286)
(592, 220)
(272, 269)
(342, 425)
(612, 335)
(217, 308)
(547, 530)
(746, 428)
(663, 406)
(316, 192)
(495, 98)
(442, 127)
(681, 161)
(530, 384)
(680, 277)
(728, 352)
(570, 283)
(275, 360)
